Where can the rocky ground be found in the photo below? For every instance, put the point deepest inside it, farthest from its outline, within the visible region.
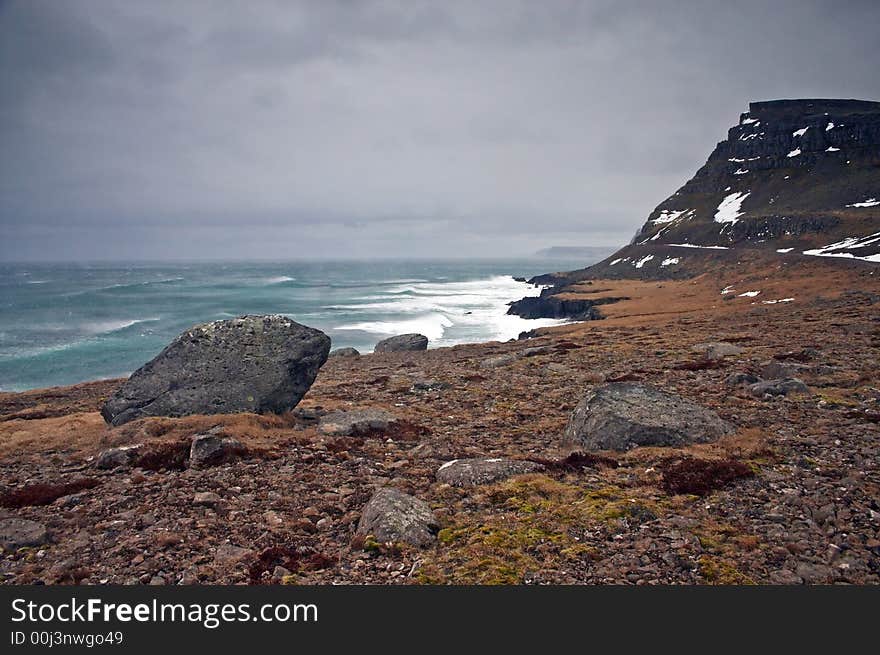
(791, 495)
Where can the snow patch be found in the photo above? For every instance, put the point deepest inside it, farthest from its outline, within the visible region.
(750, 121)
(784, 250)
(669, 261)
(870, 202)
(644, 260)
(747, 294)
(447, 464)
(728, 289)
(669, 215)
(794, 153)
(729, 209)
(832, 149)
(800, 132)
(774, 302)
(829, 127)
(851, 243)
(693, 245)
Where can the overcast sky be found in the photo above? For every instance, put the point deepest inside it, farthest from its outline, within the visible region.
(261, 129)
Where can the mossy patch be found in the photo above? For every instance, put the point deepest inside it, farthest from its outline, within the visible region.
(720, 572)
(533, 525)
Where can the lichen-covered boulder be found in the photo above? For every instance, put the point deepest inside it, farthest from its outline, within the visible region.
(345, 352)
(624, 415)
(393, 516)
(249, 364)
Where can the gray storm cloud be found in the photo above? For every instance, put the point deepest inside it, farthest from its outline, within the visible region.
(284, 129)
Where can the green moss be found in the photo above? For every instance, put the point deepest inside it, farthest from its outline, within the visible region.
(720, 572)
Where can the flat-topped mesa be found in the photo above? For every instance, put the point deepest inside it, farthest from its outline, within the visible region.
(781, 109)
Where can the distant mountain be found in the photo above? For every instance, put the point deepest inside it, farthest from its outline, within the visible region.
(563, 252)
(793, 178)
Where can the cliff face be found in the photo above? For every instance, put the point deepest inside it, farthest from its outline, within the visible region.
(800, 176)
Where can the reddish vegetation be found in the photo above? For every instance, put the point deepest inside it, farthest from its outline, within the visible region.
(576, 461)
(700, 476)
(44, 494)
(164, 456)
(303, 559)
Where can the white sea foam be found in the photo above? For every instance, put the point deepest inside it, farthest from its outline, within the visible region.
(106, 327)
(279, 279)
(446, 312)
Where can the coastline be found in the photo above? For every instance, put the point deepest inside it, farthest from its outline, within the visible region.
(302, 486)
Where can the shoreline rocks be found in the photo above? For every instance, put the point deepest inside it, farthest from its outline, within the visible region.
(402, 343)
(257, 364)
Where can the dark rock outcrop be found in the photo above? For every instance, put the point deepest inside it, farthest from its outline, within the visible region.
(623, 415)
(550, 306)
(475, 471)
(249, 364)
(393, 516)
(402, 343)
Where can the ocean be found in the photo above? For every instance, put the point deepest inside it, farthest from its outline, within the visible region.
(67, 323)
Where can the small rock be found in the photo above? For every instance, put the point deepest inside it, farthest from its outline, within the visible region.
(536, 350)
(500, 360)
(429, 385)
(345, 352)
(211, 449)
(17, 533)
(355, 422)
(781, 370)
(778, 387)
(207, 498)
(229, 554)
(393, 516)
(324, 524)
(116, 457)
(741, 379)
(402, 343)
(717, 350)
(280, 572)
(472, 472)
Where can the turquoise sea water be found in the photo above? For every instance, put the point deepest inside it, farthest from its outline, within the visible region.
(67, 323)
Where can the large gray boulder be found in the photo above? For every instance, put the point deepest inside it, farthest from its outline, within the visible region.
(402, 343)
(391, 515)
(345, 352)
(623, 415)
(249, 364)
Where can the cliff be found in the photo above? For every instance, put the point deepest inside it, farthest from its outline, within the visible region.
(793, 179)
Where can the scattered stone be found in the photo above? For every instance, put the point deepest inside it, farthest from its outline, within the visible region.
(429, 385)
(500, 360)
(717, 350)
(117, 457)
(741, 379)
(537, 350)
(402, 343)
(555, 367)
(782, 370)
(212, 449)
(229, 554)
(393, 516)
(17, 533)
(356, 422)
(345, 352)
(622, 415)
(207, 498)
(249, 364)
(476, 471)
(778, 387)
